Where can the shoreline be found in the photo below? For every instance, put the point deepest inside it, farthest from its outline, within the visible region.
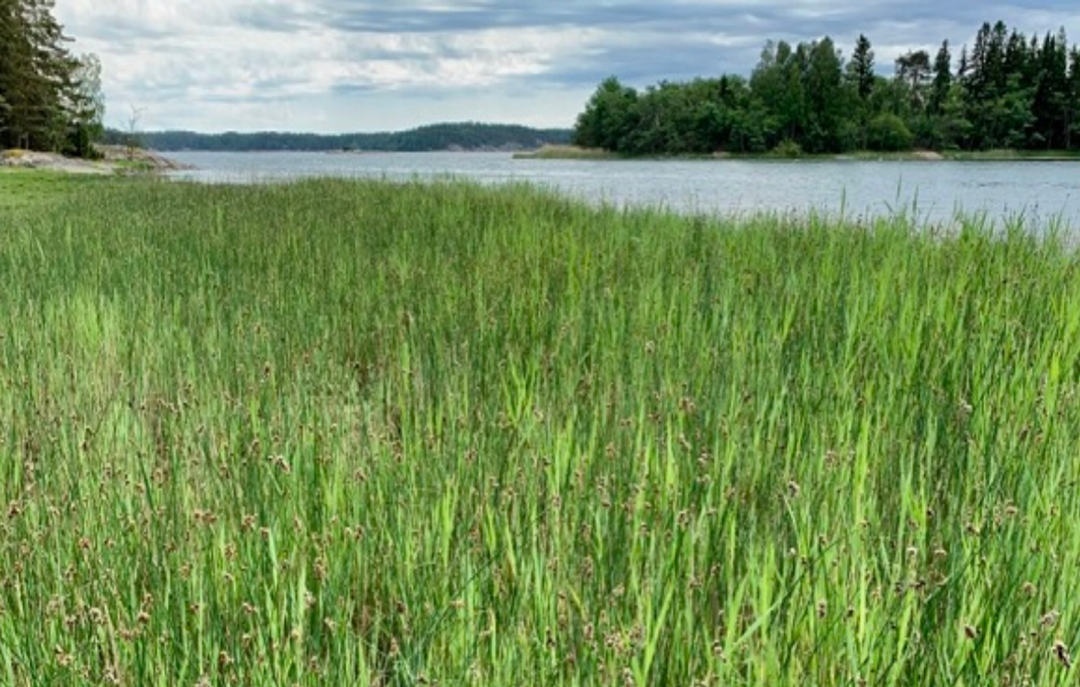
(116, 160)
(1007, 155)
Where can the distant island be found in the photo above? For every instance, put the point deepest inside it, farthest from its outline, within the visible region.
(449, 136)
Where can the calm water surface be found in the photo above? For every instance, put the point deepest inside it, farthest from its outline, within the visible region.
(934, 192)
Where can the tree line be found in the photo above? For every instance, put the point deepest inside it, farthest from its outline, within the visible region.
(466, 135)
(50, 99)
(1008, 91)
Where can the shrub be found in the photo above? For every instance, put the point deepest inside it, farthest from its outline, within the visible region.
(887, 132)
(788, 148)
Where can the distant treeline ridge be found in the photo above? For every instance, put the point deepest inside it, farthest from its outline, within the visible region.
(468, 136)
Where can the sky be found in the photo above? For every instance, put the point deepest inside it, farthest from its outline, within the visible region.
(332, 66)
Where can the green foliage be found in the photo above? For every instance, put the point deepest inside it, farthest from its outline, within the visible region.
(861, 67)
(49, 100)
(788, 148)
(1007, 93)
(888, 133)
(360, 433)
(943, 79)
(826, 101)
(80, 142)
(609, 117)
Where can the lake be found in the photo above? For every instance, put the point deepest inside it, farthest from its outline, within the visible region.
(934, 192)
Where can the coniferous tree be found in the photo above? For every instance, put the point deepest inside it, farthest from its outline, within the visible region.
(861, 67)
(1050, 99)
(43, 89)
(1072, 123)
(943, 79)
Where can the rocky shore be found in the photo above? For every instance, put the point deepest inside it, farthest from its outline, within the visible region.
(115, 160)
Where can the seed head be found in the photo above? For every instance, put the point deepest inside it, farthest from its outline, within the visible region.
(63, 659)
(1050, 619)
(1062, 653)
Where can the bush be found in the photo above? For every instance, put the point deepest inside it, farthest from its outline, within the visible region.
(888, 133)
(788, 148)
(80, 143)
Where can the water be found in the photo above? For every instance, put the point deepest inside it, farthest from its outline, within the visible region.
(933, 192)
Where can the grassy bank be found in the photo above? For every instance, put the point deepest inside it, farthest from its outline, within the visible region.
(22, 187)
(566, 152)
(358, 433)
(1014, 155)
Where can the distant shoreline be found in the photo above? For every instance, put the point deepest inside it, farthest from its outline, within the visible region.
(564, 152)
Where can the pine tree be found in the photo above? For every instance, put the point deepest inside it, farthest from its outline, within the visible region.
(42, 98)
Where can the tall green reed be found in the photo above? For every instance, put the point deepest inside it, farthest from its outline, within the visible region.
(382, 433)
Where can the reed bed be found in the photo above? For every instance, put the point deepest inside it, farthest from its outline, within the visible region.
(374, 433)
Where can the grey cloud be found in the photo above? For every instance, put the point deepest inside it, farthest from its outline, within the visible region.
(474, 15)
(640, 42)
(673, 44)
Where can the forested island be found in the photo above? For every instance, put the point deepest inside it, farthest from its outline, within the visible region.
(451, 136)
(1007, 92)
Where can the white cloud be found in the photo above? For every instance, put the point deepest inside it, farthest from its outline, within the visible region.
(333, 65)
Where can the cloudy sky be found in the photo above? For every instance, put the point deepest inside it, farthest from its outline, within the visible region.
(377, 65)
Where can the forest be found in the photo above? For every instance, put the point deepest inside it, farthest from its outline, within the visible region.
(466, 135)
(1007, 91)
(50, 99)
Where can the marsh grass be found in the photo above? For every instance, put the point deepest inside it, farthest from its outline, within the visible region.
(374, 433)
(553, 151)
(23, 187)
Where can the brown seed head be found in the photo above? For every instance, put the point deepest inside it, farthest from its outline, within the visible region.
(1062, 653)
(1049, 620)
